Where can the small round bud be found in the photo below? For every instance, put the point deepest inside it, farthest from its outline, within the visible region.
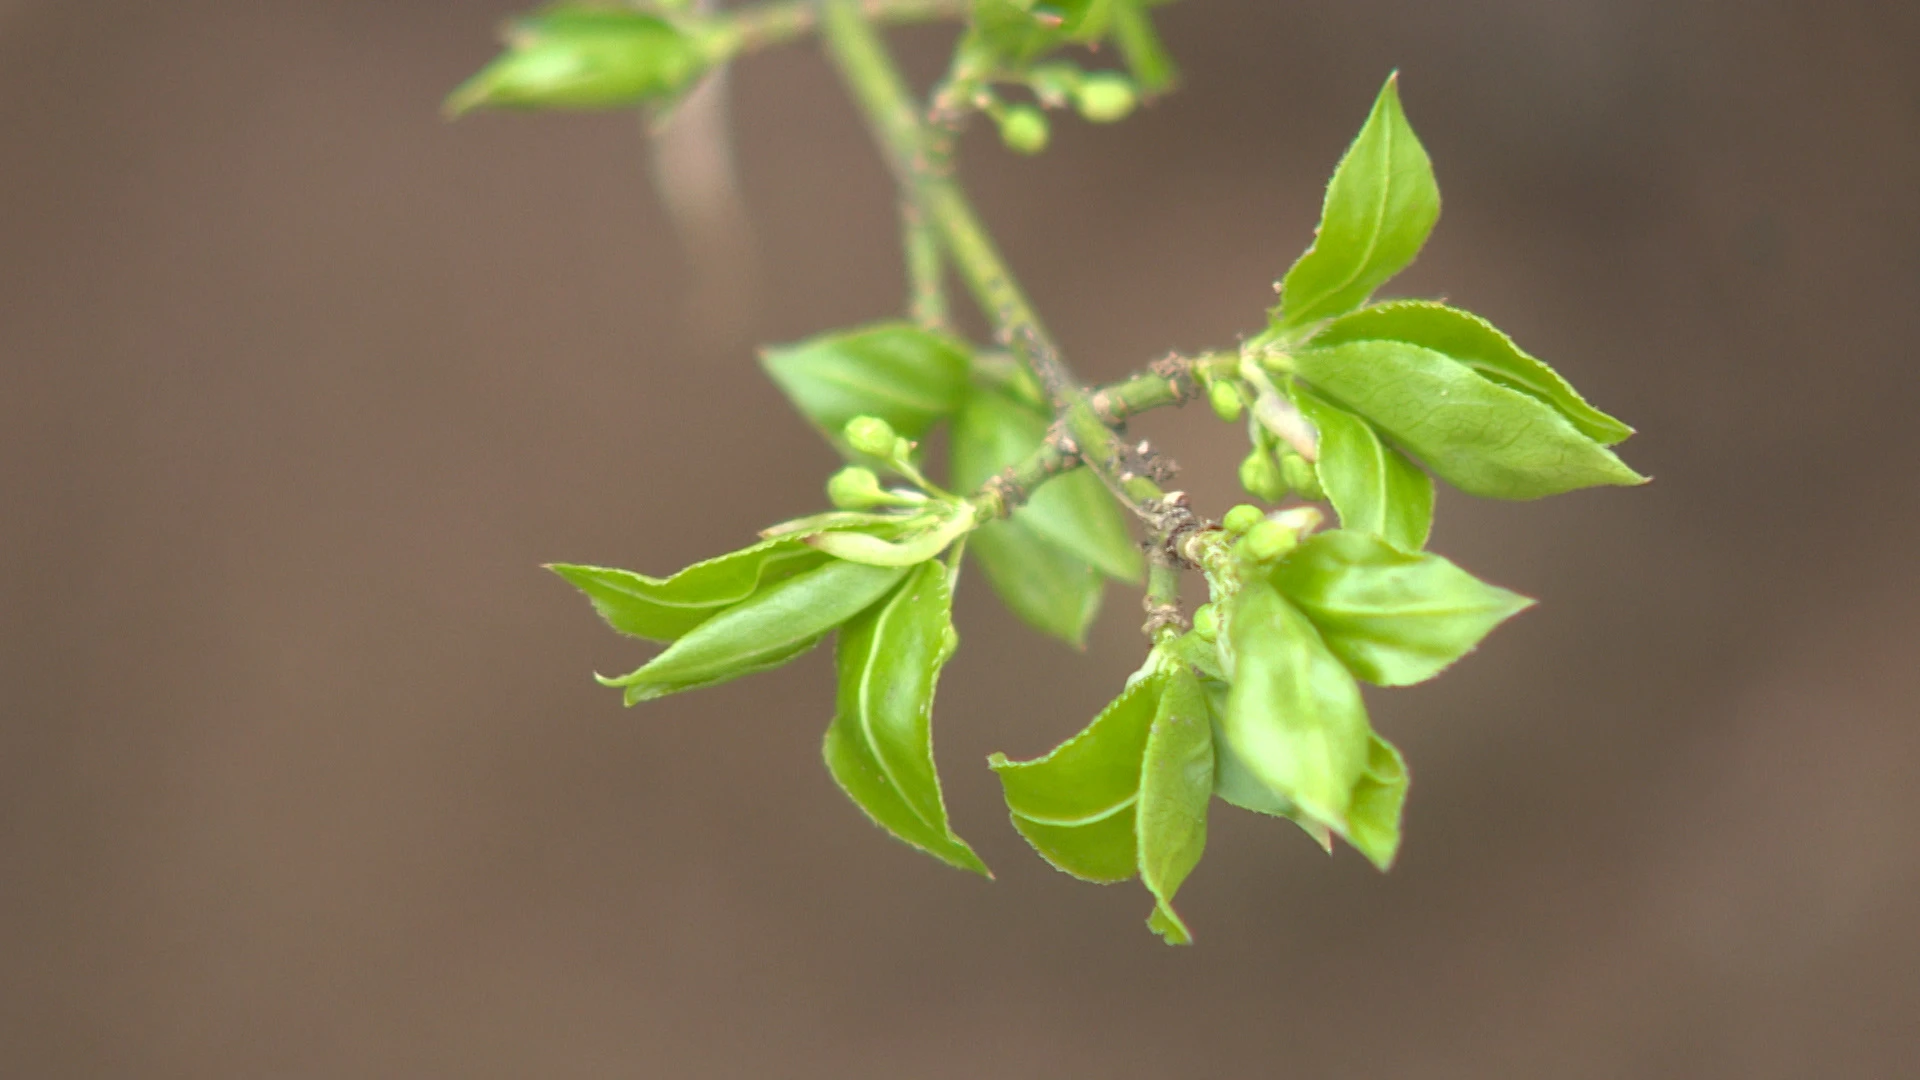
(855, 488)
(1298, 472)
(1268, 541)
(1241, 518)
(1206, 622)
(1024, 129)
(1260, 475)
(871, 435)
(1105, 96)
(1225, 399)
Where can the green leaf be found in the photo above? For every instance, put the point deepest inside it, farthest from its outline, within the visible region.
(1020, 30)
(1294, 714)
(1140, 46)
(665, 609)
(577, 57)
(1176, 782)
(1393, 618)
(909, 551)
(1475, 342)
(879, 747)
(905, 375)
(1050, 590)
(1073, 511)
(1380, 207)
(1473, 433)
(1373, 821)
(1373, 486)
(1235, 784)
(769, 628)
(1076, 805)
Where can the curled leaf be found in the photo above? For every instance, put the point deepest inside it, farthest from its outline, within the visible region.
(879, 747)
(769, 628)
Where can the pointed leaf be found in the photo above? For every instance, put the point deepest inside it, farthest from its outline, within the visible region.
(1477, 435)
(774, 625)
(1176, 784)
(665, 609)
(1380, 207)
(1393, 618)
(1140, 46)
(1076, 805)
(880, 745)
(1475, 342)
(1050, 590)
(1294, 714)
(1373, 486)
(1072, 511)
(1373, 821)
(575, 57)
(905, 375)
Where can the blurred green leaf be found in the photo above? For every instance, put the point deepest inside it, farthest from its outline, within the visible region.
(769, 628)
(1077, 805)
(1073, 511)
(1477, 435)
(1176, 785)
(1380, 207)
(898, 372)
(1139, 44)
(1475, 342)
(1373, 486)
(1050, 590)
(879, 747)
(1394, 618)
(571, 56)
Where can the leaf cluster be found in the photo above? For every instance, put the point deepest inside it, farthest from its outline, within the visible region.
(1349, 402)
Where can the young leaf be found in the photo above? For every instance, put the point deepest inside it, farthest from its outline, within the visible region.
(1380, 207)
(575, 57)
(1076, 805)
(1475, 434)
(1373, 821)
(1140, 46)
(1393, 618)
(1475, 342)
(665, 609)
(1052, 591)
(1373, 486)
(902, 374)
(1021, 30)
(1235, 784)
(769, 628)
(1294, 715)
(879, 747)
(1176, 783)
(1074, 512)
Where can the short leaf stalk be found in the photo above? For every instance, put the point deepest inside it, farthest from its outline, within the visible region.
(1352, 409)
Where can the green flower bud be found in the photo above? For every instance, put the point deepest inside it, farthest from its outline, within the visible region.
(855, 488)
(1206, 622)
(584, 59)
(1241, 518)
(1299, 473)
(1260, 475)
(872, 435)
(1024, 129)
(1225, 399)
(1268, 541)
(1105, 96)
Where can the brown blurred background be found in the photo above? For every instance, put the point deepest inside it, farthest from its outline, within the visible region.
(302, 773)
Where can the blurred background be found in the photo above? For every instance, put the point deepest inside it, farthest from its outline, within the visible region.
(302, 772)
